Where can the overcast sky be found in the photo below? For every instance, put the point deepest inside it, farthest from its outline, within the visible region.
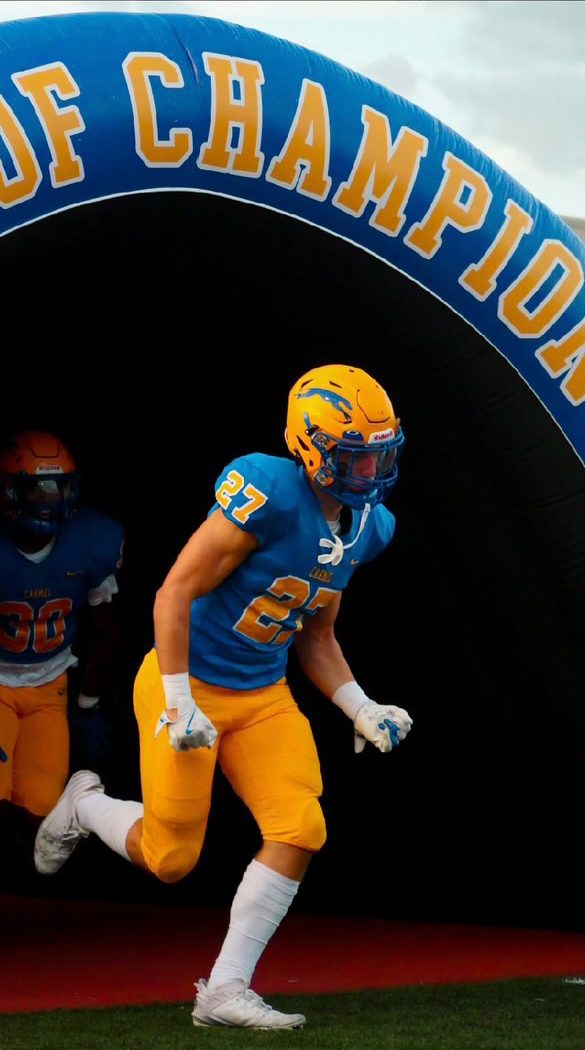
(508, 75)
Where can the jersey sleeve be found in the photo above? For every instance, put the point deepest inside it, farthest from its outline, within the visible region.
(104, 592)
(247, 494)
(382, 526)
(105, 555)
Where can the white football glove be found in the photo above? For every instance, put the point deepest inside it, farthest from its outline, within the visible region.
(384, 726)
(191, 730)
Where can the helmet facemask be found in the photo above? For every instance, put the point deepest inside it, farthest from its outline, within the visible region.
(357, 474)
(39, 503)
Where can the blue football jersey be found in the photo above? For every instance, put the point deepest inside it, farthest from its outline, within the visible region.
(40, 603)
(241, 632)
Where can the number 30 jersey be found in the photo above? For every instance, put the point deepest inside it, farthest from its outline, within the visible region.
(240, 632)
(40, 602)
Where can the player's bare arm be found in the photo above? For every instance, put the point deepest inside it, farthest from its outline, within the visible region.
(213, 552)
(323, 662)
(211, 555)
(319, 652)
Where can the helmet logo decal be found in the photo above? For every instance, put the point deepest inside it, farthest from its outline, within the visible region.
(336, 400)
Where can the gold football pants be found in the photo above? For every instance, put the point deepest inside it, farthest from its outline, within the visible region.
(34, 744)
(266, 750)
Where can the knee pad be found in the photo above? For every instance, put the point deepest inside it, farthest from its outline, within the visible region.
(173, 863)
(311, 832)
(170, 845)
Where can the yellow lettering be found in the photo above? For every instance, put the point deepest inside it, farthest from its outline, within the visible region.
(512, 308)
(228, 112)
(451, 207)
(23, 185)
(480, 278)
(382, 172)
(567, 353)
(307, 148)
(40, 85)
(139, 68)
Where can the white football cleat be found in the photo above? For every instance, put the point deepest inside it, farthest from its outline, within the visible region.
(236, 1006)
(60, 832)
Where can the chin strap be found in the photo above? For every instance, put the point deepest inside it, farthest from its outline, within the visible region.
(336, 546)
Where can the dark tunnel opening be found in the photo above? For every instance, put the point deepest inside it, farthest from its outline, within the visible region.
(158, 335)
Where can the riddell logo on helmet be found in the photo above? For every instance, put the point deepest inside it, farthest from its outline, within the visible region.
(381, 435)
(49, 468)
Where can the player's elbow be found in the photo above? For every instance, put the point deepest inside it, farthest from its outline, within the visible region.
(172, 600)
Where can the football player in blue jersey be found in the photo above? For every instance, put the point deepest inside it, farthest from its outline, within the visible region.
(267, 567)
(55, 559)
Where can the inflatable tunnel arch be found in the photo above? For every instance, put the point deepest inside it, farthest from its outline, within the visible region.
(192, 214)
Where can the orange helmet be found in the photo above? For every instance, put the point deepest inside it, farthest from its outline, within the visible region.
(39, 483)
(342, 427)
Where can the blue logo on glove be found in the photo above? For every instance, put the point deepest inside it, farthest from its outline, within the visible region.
(188, 731)
(3, 756)
(392, 729)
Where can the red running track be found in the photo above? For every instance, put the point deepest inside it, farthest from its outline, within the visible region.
(58, 953)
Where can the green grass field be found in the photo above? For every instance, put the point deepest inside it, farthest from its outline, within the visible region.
(505, 1015)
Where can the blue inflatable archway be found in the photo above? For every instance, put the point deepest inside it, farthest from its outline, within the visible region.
(205, 188)
(95, 106)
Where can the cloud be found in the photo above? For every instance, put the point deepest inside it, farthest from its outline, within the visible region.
(517, 82)
(542, 117)
(394, 72)
(523, 33)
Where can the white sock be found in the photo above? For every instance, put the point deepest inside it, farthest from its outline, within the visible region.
(259, 906)
(109, 818)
